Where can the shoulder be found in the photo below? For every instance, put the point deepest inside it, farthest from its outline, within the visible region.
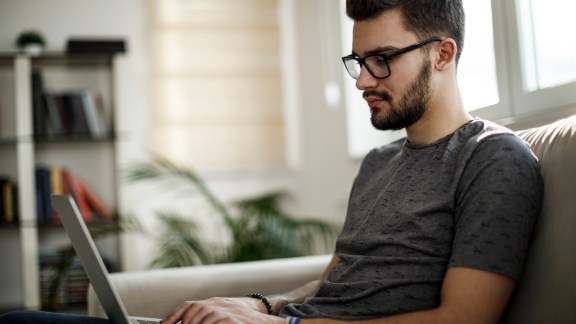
(494, 140)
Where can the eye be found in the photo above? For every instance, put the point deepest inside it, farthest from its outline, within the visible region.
(377, 61)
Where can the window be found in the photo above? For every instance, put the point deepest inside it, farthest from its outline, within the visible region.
(217, 83)
(519, 61)
(477, 67)
(549, 47)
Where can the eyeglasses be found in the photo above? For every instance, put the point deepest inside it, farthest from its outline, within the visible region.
(378, 65)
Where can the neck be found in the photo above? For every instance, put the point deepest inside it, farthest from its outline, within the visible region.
(444, 116)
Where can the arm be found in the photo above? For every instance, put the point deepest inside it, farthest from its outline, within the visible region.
(468, 296)
(244, 310)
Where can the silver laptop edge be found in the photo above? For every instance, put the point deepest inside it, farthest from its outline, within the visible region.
(91, 261)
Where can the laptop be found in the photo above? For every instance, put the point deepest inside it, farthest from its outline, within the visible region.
(92, 262)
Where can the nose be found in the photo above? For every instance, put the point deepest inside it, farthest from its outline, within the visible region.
(365, 80)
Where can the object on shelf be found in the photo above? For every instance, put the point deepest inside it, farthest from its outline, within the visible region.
(8, 202)
(61, 289)
(95, 46)
(68, 114)
(59, 180)
(31, 42)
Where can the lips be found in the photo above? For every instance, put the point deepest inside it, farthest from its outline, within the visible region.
(374, 102)
(375, 99)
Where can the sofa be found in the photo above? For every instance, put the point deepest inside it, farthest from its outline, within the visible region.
(547, 293)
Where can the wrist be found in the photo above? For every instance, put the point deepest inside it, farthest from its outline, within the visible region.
(264, 302)
(278, 302)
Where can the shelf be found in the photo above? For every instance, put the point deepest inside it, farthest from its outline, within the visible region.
(93, 159)
(74, 139)
(9, 227)
(8, 141)
(61, 58)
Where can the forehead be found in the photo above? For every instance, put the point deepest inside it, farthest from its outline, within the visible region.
(383, 31)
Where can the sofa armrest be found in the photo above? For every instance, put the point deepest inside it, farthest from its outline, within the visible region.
(155, 293)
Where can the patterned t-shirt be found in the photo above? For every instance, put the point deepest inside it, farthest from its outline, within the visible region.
(468, 200)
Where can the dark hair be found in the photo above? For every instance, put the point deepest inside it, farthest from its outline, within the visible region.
(425, 18)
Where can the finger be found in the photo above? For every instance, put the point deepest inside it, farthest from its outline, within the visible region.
(198, 313)
(176, 314)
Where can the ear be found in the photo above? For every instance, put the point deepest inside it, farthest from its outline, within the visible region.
(446, 55)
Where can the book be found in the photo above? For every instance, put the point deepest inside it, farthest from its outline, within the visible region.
(94, 113)
(74, 112)
(39, 110)
(43, 187)
(54, 114)
(95, 202)
(8, 202)
(56, 187)
(76, 189)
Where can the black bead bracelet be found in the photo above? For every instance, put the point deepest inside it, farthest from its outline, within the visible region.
(264, 300)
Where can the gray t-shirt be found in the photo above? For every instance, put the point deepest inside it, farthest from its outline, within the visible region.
(467, 200)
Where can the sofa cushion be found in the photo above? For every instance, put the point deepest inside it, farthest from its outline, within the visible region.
(547, 292)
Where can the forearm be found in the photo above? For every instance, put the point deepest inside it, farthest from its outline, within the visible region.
(295, 296)
(469, 296)
(422, 317)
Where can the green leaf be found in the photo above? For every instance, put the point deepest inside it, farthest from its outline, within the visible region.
(259, 228)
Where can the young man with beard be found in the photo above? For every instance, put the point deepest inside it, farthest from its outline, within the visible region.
(438, 223)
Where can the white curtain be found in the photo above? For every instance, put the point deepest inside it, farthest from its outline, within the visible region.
(216, 83)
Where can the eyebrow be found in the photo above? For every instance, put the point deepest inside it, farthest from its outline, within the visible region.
(377, 50)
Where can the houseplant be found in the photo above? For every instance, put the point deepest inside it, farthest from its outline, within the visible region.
(31, 42)
(255, 228)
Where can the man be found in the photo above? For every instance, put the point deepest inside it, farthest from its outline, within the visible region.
(438, 223)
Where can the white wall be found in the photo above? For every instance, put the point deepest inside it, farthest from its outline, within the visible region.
(322, 173)
(59, 20)
(327, 172)
(320, 183)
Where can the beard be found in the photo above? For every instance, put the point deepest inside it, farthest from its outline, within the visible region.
(409, 108)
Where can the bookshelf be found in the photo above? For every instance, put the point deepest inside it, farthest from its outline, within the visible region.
(90, 153)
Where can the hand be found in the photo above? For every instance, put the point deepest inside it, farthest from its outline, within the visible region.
(222, 311)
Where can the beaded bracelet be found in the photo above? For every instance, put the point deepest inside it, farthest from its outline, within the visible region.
(264, 300)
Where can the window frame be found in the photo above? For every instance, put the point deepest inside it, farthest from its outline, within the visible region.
(527, 103)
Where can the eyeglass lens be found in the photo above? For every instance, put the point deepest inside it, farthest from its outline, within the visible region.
(377, 65)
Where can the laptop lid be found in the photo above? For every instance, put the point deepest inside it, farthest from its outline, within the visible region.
(90, 258)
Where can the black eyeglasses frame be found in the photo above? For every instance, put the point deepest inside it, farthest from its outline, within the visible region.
(386, 57)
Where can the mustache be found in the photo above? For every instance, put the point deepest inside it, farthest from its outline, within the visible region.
(376, 94)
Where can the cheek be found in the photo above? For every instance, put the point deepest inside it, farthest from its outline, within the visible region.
(404, 72)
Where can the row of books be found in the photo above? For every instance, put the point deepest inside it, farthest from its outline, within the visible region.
(65, 114)
(59, 180)
(9, 214)
(73, 287)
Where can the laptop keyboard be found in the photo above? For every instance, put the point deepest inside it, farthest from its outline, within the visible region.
(143, 321)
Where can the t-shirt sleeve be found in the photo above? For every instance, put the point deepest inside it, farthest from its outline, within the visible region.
(497, 203)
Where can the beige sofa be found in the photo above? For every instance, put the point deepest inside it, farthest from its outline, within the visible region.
(547, 293)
